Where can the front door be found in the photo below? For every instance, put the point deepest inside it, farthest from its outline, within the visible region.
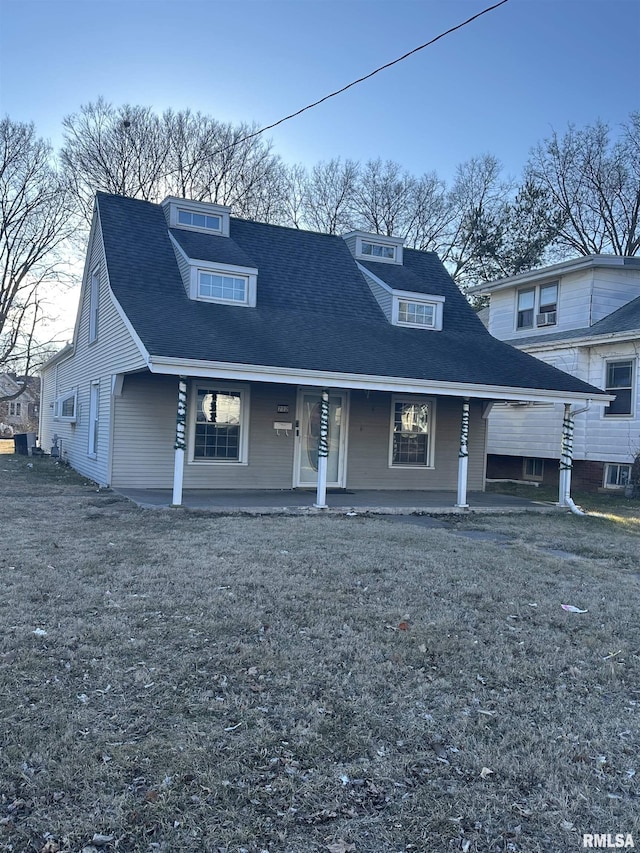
(308, 432)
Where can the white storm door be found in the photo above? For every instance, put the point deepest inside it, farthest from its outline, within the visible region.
(308, 433)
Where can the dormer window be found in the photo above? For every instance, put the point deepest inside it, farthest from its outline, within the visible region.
(375, 247)
(201, 216)
(379, 250)
(199, 220)
(418, 313)
(222, 288)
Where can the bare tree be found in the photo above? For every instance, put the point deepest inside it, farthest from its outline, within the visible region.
(120, 150)
(34, 219)
(478, 201)
(384, 198)
(593, 186)
(329, 196)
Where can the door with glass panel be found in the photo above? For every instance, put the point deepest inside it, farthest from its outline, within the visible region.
(308, 433)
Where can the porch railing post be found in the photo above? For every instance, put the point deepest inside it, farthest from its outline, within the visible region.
(463, 456)
(323, 451)
(180, 442)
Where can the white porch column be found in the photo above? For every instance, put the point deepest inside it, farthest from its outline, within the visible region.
(180, 442)
(323, 451)
(463, 456)
(566, 457)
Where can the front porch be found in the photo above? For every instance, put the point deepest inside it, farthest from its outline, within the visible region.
(300, 501)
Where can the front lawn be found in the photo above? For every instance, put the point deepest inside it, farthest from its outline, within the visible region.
(180, 682)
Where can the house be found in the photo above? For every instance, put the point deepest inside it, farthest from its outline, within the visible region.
(214, 352)
(582, 316)
(19, 403)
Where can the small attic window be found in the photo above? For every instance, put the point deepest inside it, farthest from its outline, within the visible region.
(204, 216)
(378, 250)
(375, 247)
(199, 220)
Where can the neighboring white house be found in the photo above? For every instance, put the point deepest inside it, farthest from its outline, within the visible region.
(19, 403)
(582, 316)
(215, 352)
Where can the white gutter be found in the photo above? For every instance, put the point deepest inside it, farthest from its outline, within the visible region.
(354, 381)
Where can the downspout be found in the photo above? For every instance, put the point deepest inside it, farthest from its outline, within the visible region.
(566, 458)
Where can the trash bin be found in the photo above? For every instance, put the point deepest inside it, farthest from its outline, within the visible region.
(20, 443)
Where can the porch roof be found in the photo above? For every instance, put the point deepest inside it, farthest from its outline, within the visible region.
(315, 312)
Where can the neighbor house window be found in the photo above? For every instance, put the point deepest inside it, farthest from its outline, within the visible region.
(616, 476)
(533, 469)
(94, 416)
(15, 409)
(378, 250)
(619, 381)
(94, 297)
(220, 429)
(537, 306)
(227, 288)
(66, 406)
(200, 220)
(411, 432)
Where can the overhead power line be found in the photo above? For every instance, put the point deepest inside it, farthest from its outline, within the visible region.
(366, 77)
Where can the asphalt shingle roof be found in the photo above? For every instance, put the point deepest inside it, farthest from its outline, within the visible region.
(314, 308)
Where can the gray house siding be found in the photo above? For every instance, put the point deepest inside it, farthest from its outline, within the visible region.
(113, 351)
(369, 433)
(144, 433)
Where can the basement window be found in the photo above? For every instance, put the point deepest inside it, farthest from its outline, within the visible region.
(616, 476)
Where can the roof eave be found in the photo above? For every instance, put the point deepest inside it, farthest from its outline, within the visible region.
(400, 384)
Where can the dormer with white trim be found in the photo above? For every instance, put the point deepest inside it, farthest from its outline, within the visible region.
(375, 247)
(411, 308)
(207, 279)
(202, 216)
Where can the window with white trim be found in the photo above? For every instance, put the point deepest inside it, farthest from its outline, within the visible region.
(219, 424)
(65, 407)
(15, 409)
(616, 476)
(200, 220)
(416, 313)
(420, 313)
(378, 250)
(537, 306)
(411, 443)
(223, 287)
(94, 300)
(619, 381)
(94, 418)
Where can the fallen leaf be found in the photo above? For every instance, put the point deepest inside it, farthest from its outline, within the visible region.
(403, 626)
(485, 772)
(571, 609)
(39, 632)
(151, 796)
(100, 840)
(341, 846)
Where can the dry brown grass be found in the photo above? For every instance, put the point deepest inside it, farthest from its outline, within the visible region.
(287, 684)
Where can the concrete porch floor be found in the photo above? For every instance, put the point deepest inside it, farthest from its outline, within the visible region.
(299, 501)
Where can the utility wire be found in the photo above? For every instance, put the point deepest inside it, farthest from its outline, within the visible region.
(362, 79)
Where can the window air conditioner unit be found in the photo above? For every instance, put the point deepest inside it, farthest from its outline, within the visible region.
(547, 318)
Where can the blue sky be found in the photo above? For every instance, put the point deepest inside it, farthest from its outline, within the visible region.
(499, 85)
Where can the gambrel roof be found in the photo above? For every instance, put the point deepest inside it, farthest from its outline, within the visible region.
(315, 310)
